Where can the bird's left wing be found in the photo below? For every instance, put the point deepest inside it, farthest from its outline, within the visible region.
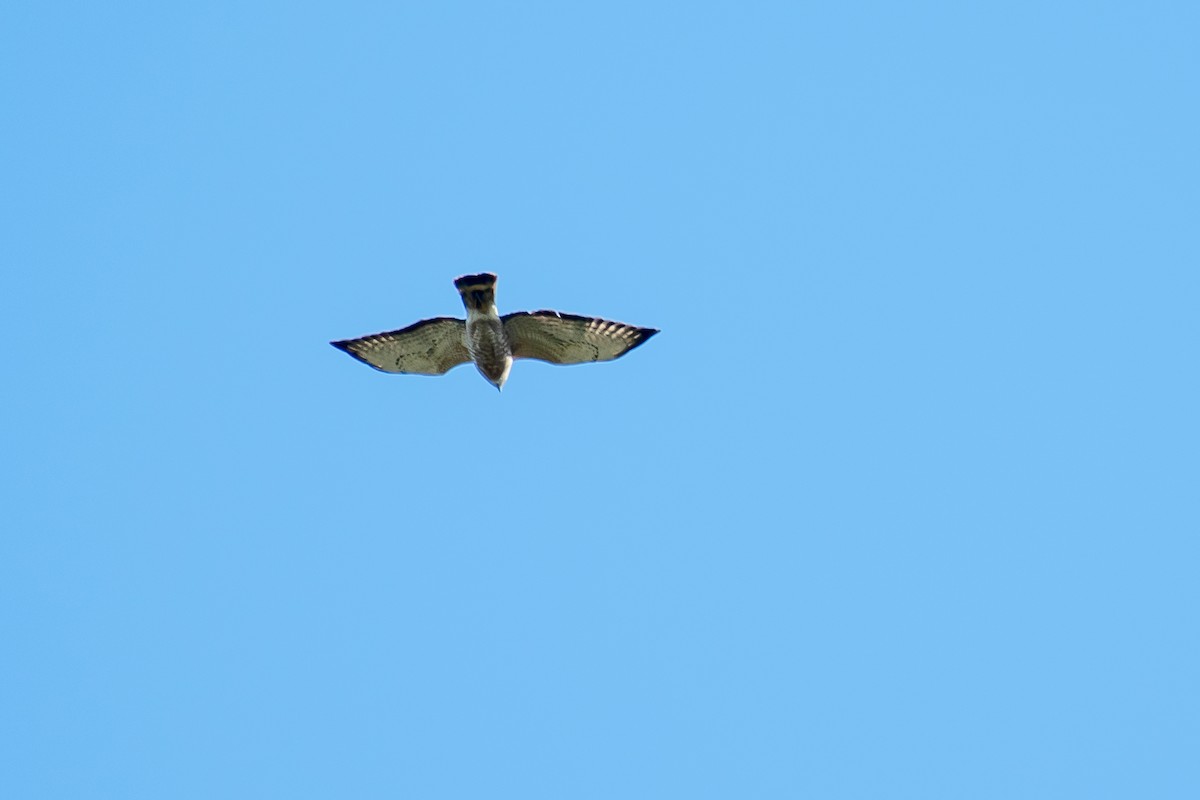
(570, 339)
(428, 347)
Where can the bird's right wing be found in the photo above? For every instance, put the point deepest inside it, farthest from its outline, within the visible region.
(569, 338)
(428, 347)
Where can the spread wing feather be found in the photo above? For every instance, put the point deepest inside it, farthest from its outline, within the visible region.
(428, 347)
(570, 339)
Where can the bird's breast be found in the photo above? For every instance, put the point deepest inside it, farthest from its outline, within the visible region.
(488, 347)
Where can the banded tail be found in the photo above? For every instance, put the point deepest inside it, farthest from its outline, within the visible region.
(478, 291)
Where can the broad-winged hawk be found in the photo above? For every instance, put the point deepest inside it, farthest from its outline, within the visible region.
(434, 346)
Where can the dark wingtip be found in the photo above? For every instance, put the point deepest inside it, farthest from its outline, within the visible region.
(344, 346)
(644, 335)
(482, 279)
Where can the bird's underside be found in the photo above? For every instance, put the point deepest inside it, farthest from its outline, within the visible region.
(435, 346)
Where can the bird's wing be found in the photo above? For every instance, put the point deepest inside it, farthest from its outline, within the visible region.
(428, 347)
(570, 339)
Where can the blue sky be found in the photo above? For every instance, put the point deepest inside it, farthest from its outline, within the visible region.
(900, 503)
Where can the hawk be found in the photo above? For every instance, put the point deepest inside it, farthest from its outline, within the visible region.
(435, 346)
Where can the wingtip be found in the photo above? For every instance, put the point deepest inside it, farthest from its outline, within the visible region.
(644, 335)
(344, 346)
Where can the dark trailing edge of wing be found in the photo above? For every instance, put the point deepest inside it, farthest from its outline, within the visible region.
(344, 344)
(482, 279)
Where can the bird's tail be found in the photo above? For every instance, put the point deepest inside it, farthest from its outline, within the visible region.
(478, 291)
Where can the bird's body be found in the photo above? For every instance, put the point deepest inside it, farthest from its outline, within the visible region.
(492, 342)
(486, 341)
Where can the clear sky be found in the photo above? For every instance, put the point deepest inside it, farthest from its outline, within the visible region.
(902, 502)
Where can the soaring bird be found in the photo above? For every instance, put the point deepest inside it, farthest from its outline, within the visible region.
(435, 346)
